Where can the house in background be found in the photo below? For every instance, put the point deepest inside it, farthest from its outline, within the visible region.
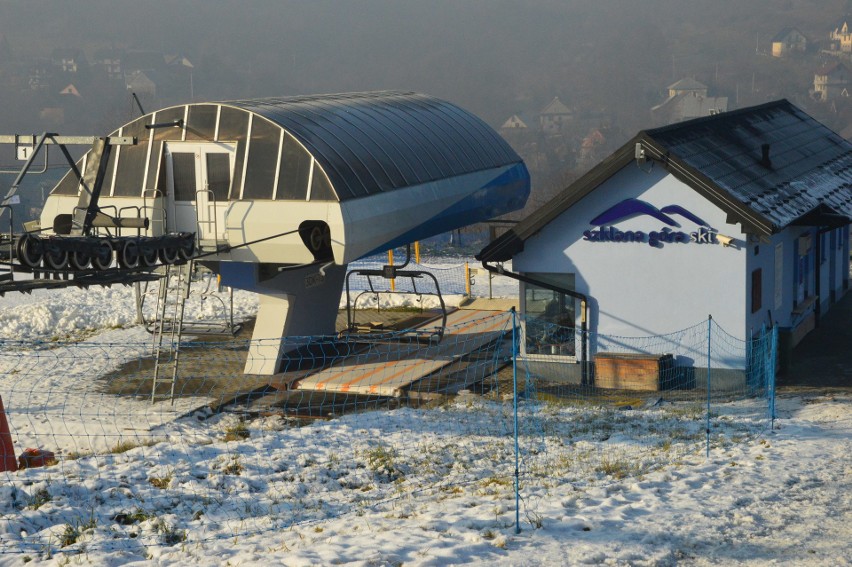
(788, 41)
(109, 61)
(743, 215)
(687, 99)
(687, 86)
(69, 61)
(40, 74)
(513, 123)
(140, 83)
(841, 36)
(832, 81)
(555, 117)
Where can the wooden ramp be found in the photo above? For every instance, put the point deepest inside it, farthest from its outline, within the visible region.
(388, 368)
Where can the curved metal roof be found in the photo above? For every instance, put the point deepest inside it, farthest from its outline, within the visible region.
(375, 142)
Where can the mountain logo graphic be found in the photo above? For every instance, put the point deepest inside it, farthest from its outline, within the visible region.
(630, 208)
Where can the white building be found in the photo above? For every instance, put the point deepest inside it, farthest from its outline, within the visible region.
(743, 216)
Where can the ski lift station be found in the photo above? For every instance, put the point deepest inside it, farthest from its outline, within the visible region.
(283, 193)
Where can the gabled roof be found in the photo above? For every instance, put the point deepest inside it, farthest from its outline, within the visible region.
(555, 106)
(514, 122)
(807, 178)
(685, 106)
(826, 70)
(687, 84)
(838, 24)
(782, 35)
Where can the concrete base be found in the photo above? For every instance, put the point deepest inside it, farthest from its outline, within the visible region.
(294, 306)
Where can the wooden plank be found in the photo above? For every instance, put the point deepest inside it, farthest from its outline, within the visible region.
(394, 366)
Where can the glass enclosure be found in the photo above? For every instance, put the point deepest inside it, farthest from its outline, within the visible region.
(278, 166)
(549, 316)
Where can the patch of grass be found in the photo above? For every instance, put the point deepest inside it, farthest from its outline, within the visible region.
(69, 536)
(237, 432)
(617, 468)
(382, 461)
(690, 411)
(39, 499)
(234, 467)
(128, 519)
(169, 535)
(74, 455)
(126, 445)
(161, 482)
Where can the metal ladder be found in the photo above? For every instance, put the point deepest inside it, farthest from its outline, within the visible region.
(171, 301)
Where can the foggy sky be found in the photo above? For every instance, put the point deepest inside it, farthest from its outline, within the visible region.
(494, 57)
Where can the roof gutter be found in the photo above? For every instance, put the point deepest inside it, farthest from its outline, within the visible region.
(584, 311)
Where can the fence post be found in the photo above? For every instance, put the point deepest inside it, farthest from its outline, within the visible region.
(515, 412)
(773, 353)
(709, 339)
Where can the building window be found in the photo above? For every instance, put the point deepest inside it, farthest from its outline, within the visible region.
(804, 253)
(756, 290)
(549, 316)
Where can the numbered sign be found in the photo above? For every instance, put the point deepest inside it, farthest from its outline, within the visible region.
(24, 152)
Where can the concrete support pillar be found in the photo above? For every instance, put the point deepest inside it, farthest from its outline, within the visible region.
(295, 304)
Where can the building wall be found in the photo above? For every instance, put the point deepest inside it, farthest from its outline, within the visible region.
(790, 299)
(637, 289)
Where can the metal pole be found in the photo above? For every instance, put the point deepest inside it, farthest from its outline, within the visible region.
(390, 263)
(515, 411)
(139, 317)
(709, 327)
(773, 353)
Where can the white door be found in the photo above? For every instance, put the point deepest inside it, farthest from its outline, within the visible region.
(199, 178)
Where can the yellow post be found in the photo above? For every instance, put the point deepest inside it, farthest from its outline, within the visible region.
(390, 263)
(467, 279)
(417, 252)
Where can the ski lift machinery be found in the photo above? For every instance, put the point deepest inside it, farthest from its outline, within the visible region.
(282, 194)
(391, 272)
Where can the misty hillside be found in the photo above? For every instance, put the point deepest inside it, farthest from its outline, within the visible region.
(610, 61)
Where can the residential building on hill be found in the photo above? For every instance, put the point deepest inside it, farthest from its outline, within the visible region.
(787, 41)
(831, 81)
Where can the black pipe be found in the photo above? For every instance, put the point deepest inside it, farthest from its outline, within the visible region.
(584, 341)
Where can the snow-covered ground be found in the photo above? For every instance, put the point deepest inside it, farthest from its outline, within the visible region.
(430, 486)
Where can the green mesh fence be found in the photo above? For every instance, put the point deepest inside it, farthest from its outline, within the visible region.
(359, 423)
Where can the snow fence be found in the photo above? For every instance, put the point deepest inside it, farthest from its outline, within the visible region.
(490, 414)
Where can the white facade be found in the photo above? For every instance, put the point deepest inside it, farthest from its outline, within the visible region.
(637, 289)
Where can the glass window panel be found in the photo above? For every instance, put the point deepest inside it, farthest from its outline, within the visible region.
(233, 127)
(320, 186)
(756, 290)
(262, 160)
(110, 170)
(549, 316)
(295, 169)
(201, 123)
(219, 175)
(160, 135)
(183, 170)
(69, 184)
(131, 161)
